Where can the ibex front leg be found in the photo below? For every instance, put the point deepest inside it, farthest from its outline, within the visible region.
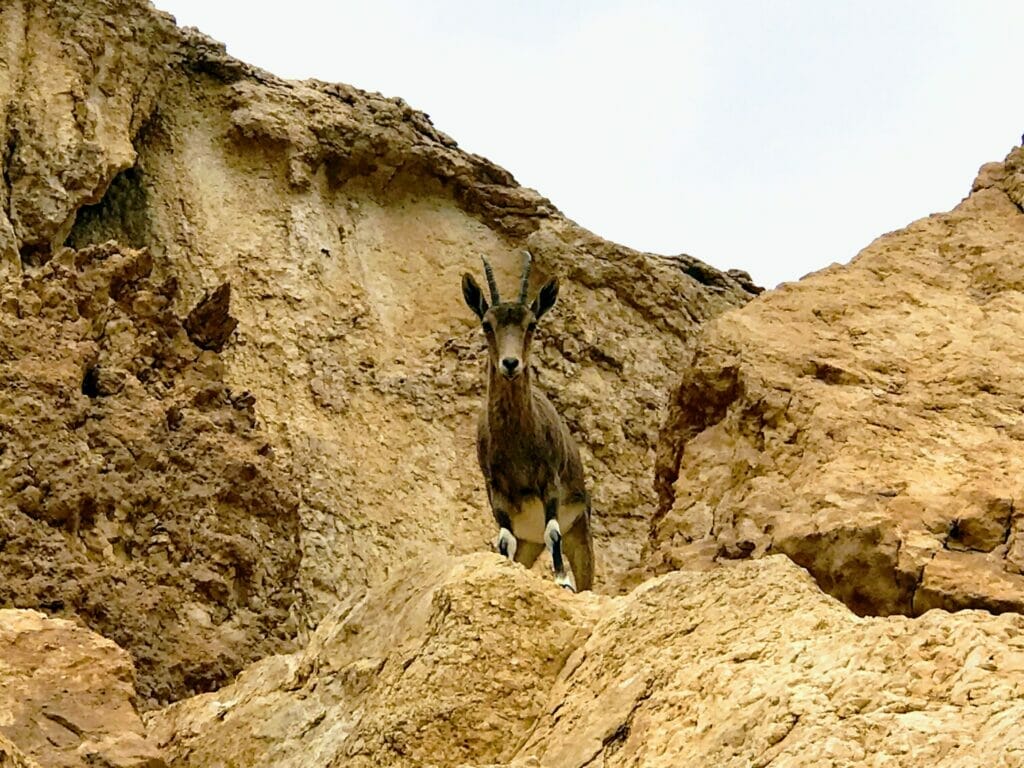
(505, 543)
(553, 540)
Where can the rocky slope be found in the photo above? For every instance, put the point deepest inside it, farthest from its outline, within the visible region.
(479, 662)
(867, 421)
(201, 486)
(238, 399)
(136, 492)
(12, 757)
(344, 221)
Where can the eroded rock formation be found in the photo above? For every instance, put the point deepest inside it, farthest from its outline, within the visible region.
(12, 757)
(77, 81)
(867, 421)
(343, 221)
(224, 464)
(137, 492)
(481, 663)
(237, 400)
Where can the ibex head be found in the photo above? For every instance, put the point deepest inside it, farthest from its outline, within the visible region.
(509, 326)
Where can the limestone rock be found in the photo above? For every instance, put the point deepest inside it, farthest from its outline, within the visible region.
(12, 757)
(209, 324)
(444, 663)
(201, 508)
(343, 221)
(136, 493)
(66, 697)
(77, 81)
(866, 420)
(480, 663)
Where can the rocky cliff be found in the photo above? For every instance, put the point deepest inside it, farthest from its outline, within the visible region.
(237, 411)
(239, 379)
(866, 421)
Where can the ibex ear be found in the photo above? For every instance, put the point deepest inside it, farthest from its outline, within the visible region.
(546, 298)
(473, 295)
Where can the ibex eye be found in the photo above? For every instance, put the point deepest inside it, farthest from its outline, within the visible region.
(532, 327)
(488, 328)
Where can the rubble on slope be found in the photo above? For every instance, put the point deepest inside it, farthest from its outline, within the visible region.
(137, 492)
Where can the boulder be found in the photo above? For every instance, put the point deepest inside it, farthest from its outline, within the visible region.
(67, 698)
(481, 663)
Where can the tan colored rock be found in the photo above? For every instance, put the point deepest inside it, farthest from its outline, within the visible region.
(444, 663)
(74, 90)
(12, 757)
(750, 665)
(178, 500)
(67, 697)
(343, 221)
(137, 492)
(866, 421)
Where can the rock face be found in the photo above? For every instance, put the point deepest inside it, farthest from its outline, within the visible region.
(866, 421)
(12, 757)
(444, 663)
(481, 663)
(75, 87)
(343, 221)
(238, 391)
(199, 471)
(67, 698)
(136, 491)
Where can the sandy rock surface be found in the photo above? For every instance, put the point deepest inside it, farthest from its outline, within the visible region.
(239, 381)
(12, 757)
(343, 221)
(68, 698)
(77, 80)
(748, 666)
(445, 662)
(867, 420)
(136, 491)
(238, 393)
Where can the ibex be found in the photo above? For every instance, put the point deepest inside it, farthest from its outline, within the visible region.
(530, 463)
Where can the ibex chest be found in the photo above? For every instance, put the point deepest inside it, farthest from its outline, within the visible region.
(528, 520)
(523, 468)
(524, 478)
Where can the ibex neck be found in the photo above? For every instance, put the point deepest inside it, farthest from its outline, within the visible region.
(509, 401)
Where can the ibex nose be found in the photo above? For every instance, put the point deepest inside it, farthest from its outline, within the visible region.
(510, 363)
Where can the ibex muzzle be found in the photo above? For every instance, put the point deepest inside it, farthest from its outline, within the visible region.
(530, 462)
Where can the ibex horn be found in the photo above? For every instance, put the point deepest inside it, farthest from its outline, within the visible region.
(525, 283)
(495, 299)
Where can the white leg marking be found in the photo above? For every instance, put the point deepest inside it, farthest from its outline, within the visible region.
(551, 532)
(507, 542)
(566, 580)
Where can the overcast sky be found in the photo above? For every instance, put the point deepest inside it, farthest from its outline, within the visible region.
(777, 137)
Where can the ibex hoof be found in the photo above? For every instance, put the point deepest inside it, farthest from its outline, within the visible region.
(566, 581)
(506, 543)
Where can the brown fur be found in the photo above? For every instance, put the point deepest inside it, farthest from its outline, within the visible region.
(524, 448)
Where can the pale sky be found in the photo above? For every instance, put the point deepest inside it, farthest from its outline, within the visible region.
(776, 137)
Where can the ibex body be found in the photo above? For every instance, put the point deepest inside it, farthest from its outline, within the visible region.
(529, 460)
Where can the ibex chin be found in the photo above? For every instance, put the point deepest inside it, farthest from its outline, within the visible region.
(530, 462)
